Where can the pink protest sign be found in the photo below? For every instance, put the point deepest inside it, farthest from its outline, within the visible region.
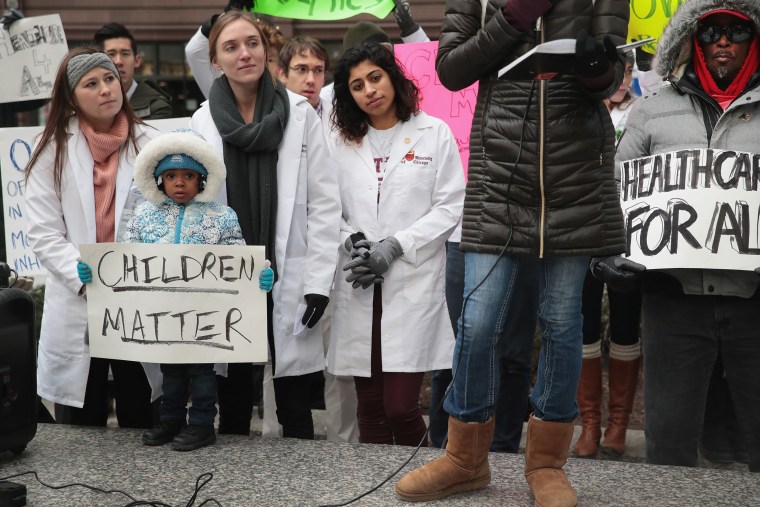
(455, 108)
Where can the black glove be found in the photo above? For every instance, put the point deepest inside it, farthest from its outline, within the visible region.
(239, 5)
(592, 58)
(9, 17)
(619, 273)
(521, 14)
(406, 23)
(315, 308)
(352, 240)
(208, 25)
(643, 60)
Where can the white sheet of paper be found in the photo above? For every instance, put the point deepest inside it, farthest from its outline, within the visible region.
(297, 326)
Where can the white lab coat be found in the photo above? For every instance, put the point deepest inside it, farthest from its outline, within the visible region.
(421, 202)
(57, 226)
(307, 230)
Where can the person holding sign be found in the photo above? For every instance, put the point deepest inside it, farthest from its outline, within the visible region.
(402, 189)
(541, 185)
(179, 175)
(283, 187)
(78, 186)
(710, 53)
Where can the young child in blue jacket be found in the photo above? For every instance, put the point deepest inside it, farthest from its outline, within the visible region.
(179, 175)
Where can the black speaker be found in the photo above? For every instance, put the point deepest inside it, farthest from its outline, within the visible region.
(18, 371)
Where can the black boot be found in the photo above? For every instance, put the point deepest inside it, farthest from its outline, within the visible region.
(194, 437)
(163, 433)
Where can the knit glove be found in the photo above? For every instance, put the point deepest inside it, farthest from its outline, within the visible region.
(84, 272)
(594, 60)
(379, 257)
(10, 16)
(315, 308)
(522, 14)
(403, 14)
(619, 273)
(266, 277)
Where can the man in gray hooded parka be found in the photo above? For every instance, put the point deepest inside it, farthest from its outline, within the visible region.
(709, 54)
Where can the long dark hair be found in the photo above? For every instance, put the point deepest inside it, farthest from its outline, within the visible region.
(347, 117)
(62, 109)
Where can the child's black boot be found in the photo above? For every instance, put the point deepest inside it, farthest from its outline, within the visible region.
(163, 433)
(194, 437)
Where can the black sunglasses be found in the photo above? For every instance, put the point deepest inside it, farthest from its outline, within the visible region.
(710, 34)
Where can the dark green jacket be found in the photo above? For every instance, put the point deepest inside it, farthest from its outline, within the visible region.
(541, 152)
(150, 103)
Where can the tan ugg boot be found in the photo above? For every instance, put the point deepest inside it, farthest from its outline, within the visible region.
(590, 404)
(624, 378)
(546, 450)
(464, 466)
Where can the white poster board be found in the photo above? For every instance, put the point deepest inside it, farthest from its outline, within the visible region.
(30, 55)
(15, 149)
(693, 209)
(163, 303)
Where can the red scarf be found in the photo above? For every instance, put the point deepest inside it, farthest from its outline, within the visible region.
(104, 147)
(724, 98)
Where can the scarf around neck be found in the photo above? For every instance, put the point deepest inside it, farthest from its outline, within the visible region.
(724, 98)
(250, 154)
(104, 148)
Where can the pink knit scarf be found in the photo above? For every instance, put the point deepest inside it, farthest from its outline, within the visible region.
(104, 147)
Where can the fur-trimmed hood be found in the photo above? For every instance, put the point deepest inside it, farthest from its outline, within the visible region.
(674, 48)
(187, 142)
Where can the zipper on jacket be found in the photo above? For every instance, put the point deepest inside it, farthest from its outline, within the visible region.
(178, 227)
(541, 151)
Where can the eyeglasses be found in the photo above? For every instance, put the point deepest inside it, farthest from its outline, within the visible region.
(303, 70)
(710, 34)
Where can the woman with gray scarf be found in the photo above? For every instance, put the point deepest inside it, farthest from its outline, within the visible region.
(283, 187)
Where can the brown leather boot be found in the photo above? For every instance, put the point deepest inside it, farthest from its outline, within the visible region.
(624, 377)
(590, 404)
(464, 466)
(546, 450)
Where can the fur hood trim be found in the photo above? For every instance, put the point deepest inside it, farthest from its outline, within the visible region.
(674, 49)
(187, 142)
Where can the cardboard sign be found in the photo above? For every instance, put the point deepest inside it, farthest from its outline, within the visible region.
(455, 108)
(30, 55)
(163, 303)
(323, 10)
(15, 150)
(693, 209)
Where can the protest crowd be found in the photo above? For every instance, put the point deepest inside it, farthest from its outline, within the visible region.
(387, 255)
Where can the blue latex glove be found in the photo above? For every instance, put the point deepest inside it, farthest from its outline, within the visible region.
(84, 272)
(266, 277)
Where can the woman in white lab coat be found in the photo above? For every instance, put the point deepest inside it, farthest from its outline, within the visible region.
(79, 184)
(283, 187)
(402, 192)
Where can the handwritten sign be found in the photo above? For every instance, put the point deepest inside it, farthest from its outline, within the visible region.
(323, 10)
(648, 19)
(176, 303)
(15, 149)
(693, 209)
(29, 55)
(455, 108)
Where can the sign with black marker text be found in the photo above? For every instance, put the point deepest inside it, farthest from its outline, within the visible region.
(161, 303)
(693, 209)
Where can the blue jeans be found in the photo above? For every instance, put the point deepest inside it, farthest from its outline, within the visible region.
(485, 312)
(201, 381)
(516, 347)
(682, 337)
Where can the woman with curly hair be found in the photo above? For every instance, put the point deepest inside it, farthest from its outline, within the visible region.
(402, 190)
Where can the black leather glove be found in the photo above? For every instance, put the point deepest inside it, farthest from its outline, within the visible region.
(239, 5)
(403, 14)
(522, 14)
(315, 308)
(9, 17)
(208, 25)
(643, 60)
(592, 58)
(620, 274)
